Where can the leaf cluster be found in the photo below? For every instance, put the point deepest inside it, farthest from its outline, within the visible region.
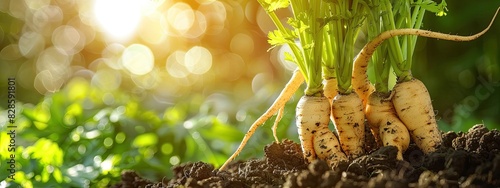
(323, 33)
(74, 138)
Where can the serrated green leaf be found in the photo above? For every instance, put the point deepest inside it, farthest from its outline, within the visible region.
(272, 5)
(290, 57)
(298, 24)
(277, 38)
(429, 5)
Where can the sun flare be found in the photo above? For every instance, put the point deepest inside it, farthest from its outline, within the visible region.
(118, 18)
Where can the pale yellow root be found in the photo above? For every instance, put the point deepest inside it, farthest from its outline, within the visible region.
(282, 99)
(317, 140)
(310, 116)
(413, 106)
(360, 82)
(276, 122)
(385, 124)
(427, 138)
(330, 89)
(349, 119)
(374, 115)
(327, 147)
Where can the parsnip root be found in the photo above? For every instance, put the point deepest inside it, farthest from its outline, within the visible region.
(411, 101)
(312, 113)
(413, 105)
(349, 118)
(330, 88)
(276, 122)
(360, 82)
(385, 124)
(327, 147)
(317, 140)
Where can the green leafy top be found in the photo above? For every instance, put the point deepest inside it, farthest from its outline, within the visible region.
(431, 6)
(343, 22)
(273, 5)
(399, 51)
(305, 28)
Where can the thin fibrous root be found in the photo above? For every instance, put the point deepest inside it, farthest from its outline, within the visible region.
(276, 122)
(285, 95)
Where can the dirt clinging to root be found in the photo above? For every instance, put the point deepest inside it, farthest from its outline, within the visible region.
(469, 159)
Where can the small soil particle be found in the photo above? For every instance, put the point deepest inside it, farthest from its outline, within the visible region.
(473, 137)
(469, 159)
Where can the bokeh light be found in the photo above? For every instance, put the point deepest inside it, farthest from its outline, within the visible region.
(199, 26)
(242, 44)
(158, 50)
(198, 60)
(159, 33)
(138, 59)
(112, 54)
(31, 43)
(68, 40)
(10, 52)
(106, 79)
(181, 17)
(215, 14)
(46, 19)
(175, 65)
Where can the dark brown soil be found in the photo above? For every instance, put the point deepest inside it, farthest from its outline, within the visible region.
(469, 159)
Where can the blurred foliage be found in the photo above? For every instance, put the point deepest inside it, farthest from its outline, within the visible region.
(74, 137)
(84, 115)
(463, 78)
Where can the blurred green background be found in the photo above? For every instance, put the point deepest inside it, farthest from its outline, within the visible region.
(103, 86)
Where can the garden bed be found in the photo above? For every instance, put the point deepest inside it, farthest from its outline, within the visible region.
(469, 159)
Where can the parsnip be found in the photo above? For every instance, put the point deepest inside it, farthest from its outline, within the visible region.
(348, 116)
(385, 124)
(313, 117)
(330, 88)
(411, 99)
(327, 147)
(413, 106)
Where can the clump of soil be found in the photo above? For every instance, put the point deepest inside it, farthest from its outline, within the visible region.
(469, 159)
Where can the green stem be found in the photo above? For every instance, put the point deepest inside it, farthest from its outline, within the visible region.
(328, 57)
(380, 64)
(295, 49)
(416, 22)
(395, 51)
(315, 85)
(347, 17)
(311, 41)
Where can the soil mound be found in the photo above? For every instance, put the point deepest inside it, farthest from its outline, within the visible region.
(469, 159)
